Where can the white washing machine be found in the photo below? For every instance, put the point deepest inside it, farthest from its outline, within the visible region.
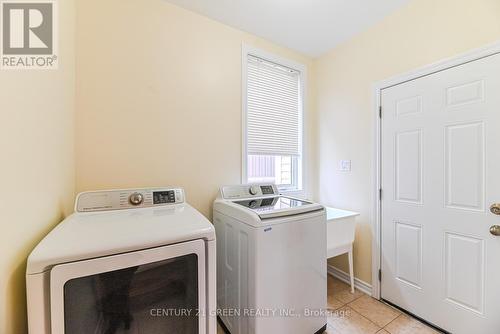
(271, 261)
(127, 261)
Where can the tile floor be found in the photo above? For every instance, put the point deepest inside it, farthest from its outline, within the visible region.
(358, 313)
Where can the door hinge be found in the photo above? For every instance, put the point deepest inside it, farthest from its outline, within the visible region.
(380, 194)
(380, 275)
(380, 112)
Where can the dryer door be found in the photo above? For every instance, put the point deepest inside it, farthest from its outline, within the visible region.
(160, 290)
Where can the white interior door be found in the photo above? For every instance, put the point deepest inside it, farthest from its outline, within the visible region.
(440, 174)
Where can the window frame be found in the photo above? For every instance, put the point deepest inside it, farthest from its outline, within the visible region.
(246, 50)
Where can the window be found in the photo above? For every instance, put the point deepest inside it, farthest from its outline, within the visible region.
(273, 114)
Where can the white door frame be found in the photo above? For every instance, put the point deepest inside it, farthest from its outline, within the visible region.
(461, 59)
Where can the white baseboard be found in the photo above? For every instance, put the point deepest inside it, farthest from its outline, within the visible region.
(344, 277)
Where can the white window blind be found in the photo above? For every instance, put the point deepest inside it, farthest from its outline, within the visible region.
(273, 109)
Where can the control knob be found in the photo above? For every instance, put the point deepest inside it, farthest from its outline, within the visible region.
(253, 190)
(135, 198)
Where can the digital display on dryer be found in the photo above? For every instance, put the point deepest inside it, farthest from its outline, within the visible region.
(162, 197)
(267, 190)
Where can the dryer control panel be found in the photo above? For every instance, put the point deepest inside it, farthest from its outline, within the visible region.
(106, 200)
(249, 190)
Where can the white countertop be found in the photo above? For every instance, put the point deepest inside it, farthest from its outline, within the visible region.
(334, 213)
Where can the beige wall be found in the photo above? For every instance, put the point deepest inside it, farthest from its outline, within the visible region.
(423, 32)
(159, 98)
(37, 166)
(145, 118)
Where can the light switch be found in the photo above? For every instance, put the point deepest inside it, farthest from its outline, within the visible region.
(345, 165)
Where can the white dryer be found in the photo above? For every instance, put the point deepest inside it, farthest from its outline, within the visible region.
(271, 261)
(127, 261)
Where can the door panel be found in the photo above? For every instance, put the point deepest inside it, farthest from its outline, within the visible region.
(409, 166)
(464, 287)
(137, 299)
(408, 253)
(157, 290)
(465, 93)
(464, 166)
(439, 176)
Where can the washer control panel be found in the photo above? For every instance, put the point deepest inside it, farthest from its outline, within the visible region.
(250, 190)
(94, 201)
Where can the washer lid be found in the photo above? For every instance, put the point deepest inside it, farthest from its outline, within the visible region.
(278, 206)
(90, 235)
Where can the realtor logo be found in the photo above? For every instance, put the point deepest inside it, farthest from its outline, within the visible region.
(28, 35)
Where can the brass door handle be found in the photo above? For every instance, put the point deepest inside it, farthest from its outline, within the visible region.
(495, 230)
(495, 208)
